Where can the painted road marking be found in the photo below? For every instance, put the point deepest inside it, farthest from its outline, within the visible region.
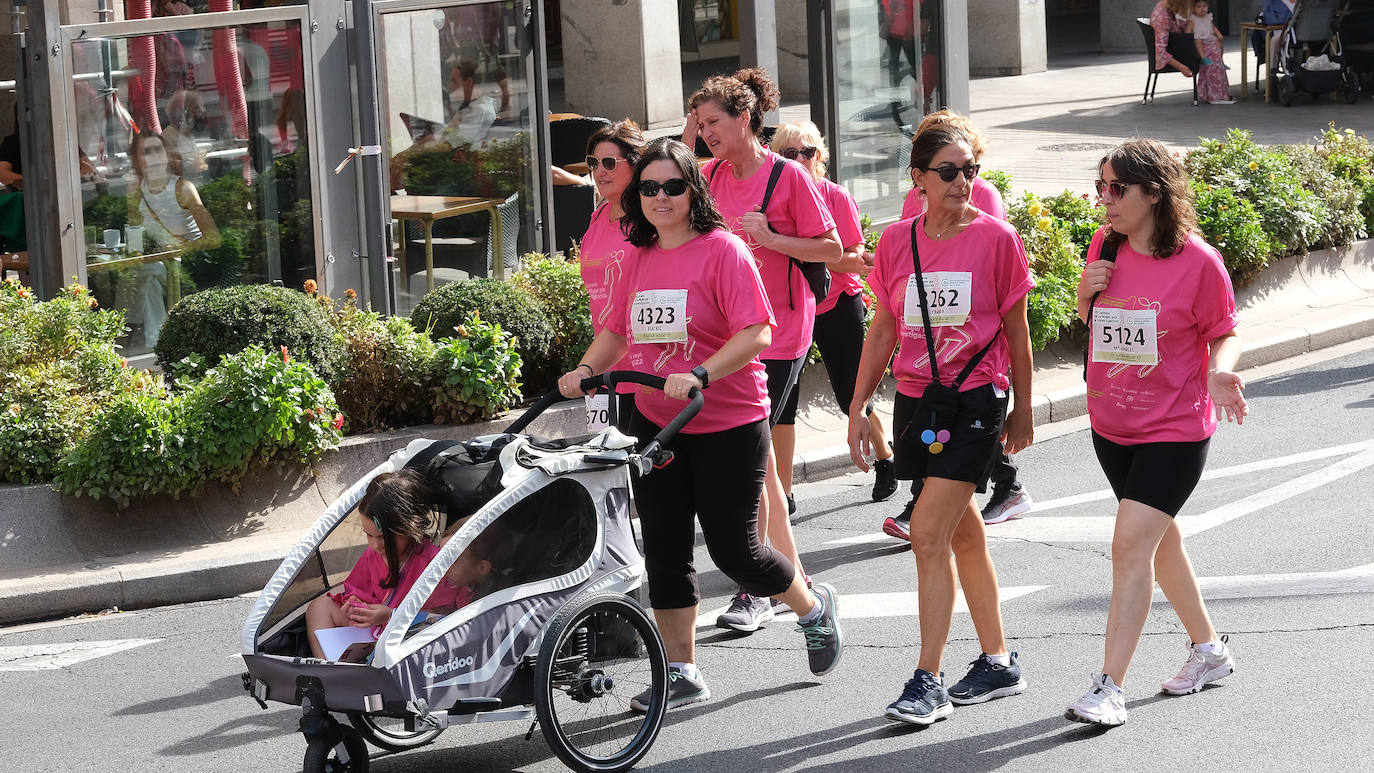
(50, 657)
(857, 606)
(1098, 528)
(1359, 579)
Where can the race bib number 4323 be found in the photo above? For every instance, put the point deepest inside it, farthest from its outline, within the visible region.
(1126, 336)
(659, 316)
(949, 295)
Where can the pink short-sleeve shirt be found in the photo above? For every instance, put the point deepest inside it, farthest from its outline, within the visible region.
(796, 209)
(724, 296)
(990, 251)
(604, 259)
(845, 212)
(1191, 294)
(365, 581)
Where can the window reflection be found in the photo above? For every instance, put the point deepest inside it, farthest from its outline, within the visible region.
(196, 171)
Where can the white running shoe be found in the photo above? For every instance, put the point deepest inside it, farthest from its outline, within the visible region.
(1005, 505)
(1200, 669)
(1104, 704)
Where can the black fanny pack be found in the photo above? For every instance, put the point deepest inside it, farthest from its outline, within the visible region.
(939, 405)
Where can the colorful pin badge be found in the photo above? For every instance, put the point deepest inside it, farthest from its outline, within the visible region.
(935, 441)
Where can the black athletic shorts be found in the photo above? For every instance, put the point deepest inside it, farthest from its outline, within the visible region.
(1161, 475)
(839, 334)
(782, 387)
(974, 445)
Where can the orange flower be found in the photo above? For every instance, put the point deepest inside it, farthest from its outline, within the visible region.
(310, 287)
(351, 294)
(24, 292)
(338, 422)
(92, 303)
(285, 355)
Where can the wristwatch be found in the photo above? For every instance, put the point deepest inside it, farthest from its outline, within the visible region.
(702, 376)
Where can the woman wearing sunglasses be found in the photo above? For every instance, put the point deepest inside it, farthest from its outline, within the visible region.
(1009, 498)
(605, 255)
(727, 113)
(839, 328)
(693, 309)
(1161, 320)
(969, 318)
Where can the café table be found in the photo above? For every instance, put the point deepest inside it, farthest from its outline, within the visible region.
(1268, 30)
(101, 259)
(427, 210)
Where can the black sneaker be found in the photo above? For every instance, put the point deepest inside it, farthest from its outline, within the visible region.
(683, 690)
(987, 680)
(923, 701)
(884, 479)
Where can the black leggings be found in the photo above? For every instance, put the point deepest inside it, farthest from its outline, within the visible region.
(718, 477)
(782, 388)
(839, 334)
(1161, 475)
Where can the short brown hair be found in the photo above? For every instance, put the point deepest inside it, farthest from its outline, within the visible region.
(1150, 165)
(625, 134)
(747, 91)
(963, 123)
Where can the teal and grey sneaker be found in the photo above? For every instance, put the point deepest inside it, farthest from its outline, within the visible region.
(824, 641)
(683, 690)
(923, 702)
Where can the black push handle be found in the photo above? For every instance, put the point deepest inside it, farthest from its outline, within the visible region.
(608, 380)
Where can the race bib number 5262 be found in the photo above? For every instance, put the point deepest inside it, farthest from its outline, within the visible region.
(659, 316)
(1128, 337)
(949, 295)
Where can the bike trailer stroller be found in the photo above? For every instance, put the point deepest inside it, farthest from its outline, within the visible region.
(1311, 58)
(553, 636)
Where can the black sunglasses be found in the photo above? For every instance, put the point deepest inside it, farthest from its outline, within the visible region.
(808, 151)
(608, 163)
(674, 187)
(948, 172)
(1116, 189)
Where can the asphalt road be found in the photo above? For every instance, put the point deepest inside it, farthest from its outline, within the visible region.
(1279, 532)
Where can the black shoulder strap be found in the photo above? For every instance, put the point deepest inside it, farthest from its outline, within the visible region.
(1107, 253)
(773, 177)
(715, 167)
(925, 318)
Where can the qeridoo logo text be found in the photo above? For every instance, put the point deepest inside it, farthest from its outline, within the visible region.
(432, 670)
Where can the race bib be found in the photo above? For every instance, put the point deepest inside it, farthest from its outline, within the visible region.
(949, 294)
(598, 411)
(659, 317)
(1129, 337)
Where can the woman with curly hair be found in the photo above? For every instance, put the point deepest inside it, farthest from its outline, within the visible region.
(693, 310)
(1163, 347)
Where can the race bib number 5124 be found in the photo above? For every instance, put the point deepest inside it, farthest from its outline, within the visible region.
(659, 316)
(1128, 337)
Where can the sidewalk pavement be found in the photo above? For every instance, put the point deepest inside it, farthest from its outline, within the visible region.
(1047, 130)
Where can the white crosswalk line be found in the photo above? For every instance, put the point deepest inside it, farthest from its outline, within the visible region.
(857, 606)
(50, 657)
(1359, 579)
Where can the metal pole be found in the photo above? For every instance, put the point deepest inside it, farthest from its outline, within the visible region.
(375, 243)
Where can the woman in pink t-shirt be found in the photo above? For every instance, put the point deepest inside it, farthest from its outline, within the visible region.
(605, 255)
(839, 328)
(395, 515)
(693, 310)
(970, 318)
(1162, 349)
(727, 113)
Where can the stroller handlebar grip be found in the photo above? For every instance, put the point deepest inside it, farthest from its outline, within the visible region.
(608, 380)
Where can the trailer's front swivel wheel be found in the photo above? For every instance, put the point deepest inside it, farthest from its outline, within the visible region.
(343, 753)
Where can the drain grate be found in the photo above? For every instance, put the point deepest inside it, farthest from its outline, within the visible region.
(1069, 147)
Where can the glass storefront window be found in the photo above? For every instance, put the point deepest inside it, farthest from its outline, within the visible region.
(195, 166)
(457, 110)
(882, 92)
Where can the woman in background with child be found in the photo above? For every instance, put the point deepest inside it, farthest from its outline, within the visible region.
(1173, 17)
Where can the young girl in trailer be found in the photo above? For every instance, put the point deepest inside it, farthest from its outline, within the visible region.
(395, 514)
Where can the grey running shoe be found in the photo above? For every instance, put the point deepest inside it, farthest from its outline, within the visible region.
(1200, 669)
(987, 680)
(1006, 504)
(746, 613)
(682, 691)
(1104, 704)
(923, 702)
(824, 640)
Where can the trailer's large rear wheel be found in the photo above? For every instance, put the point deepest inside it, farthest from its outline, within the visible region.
(390, 733)
(598, 654)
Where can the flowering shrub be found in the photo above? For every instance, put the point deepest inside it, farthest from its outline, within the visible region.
(557, 284)
(476, 373)
(384, 380)
(1056, 259)
(1350, 157)
(517, 312)
(1232, 225)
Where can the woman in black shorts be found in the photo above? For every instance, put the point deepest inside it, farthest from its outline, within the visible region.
(969, 317)
(1161, 316)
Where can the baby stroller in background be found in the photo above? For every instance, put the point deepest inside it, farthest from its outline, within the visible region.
(1355, 25)
(1313, 32)
(556, 638)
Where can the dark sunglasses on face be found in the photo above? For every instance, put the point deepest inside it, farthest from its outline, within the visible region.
(808, 152)
(948, 172)
(674, 187)
(608, 163)
(1111, 191)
